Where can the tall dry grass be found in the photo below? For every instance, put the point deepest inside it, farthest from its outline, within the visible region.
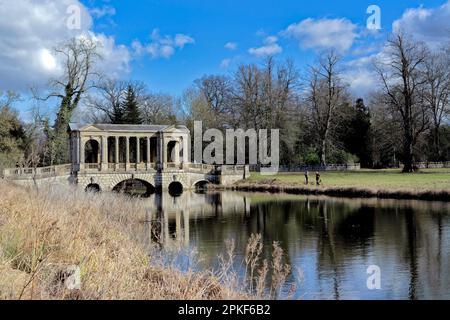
(46, 231)
(43, 232)
(263, 278)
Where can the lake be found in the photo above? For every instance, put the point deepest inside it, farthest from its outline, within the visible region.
(329, 242)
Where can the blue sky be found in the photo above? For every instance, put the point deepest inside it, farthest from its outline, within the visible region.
(169, 44)
(214, 23)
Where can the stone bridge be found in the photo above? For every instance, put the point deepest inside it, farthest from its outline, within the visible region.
(103, 156)
(187, 177)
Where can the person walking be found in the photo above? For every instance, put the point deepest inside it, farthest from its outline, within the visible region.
(318, 181)
(306, 177)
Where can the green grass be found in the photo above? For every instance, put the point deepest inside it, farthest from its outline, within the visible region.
(426, 179)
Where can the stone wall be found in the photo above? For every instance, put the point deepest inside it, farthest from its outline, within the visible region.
(31, 182)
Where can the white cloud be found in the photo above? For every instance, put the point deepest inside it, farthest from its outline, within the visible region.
(269, 48)
(48, 61)
(105, 11)
(115, 58)
(271, 40)
(181, 40)
(231, 45)
(361, 75)
(338, 34)
(30, 30)
(225, 63)
(162, 46)
(430, 25)
(427, 24)
(361, 80)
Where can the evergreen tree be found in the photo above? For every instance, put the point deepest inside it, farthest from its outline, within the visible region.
(357, 139)
(131, 111)
(118, 114)
(12, 136)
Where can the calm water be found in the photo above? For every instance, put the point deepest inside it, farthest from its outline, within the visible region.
(329, 242)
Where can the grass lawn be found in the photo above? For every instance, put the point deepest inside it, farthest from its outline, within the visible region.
(392, 179)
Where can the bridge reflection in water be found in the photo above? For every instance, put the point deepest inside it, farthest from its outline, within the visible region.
(168, 217)
(329, 242)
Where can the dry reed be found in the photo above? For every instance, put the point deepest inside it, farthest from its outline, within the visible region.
(46, 232)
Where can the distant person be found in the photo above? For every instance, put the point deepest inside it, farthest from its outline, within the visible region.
(318, 181)
(306, 177)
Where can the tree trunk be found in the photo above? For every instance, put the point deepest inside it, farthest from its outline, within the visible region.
(323, 152)
(436, 142)
(408, 152)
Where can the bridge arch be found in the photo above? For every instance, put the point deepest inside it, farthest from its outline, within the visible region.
(201, 184)
(93, 188)
(176, 188)
(135, 187)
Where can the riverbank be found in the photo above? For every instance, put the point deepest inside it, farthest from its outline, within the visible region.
(428, 184)
(52, 236)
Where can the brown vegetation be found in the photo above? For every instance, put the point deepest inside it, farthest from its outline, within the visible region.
(47, 233)
(44, 232)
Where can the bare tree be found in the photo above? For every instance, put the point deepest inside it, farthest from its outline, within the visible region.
(436, 94)
(35, 144)
(262, 96)
(107, 99)
(401, 75)
(158, 109)
(78, 61)
(216, 93)
(326, 92)
(247, 98)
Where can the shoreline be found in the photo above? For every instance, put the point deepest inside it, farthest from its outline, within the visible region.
(345, 192)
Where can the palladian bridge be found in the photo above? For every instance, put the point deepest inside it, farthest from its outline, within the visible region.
(105, 157)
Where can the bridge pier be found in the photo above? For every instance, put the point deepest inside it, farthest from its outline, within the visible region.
(160, 180)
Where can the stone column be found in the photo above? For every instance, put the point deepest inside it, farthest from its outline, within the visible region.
(186, 150)
(82, 155)
(148, 153)
(104, 160)
(71, 149)
(163, 152)
(116, 156)
(127, 154)
(100, 151)
(77, 150)
(138, 150)
(177, 152)
(158, 149)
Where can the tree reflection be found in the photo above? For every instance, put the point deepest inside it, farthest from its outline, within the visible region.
(334, 240)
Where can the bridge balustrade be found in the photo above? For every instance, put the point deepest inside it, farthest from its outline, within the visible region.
(38, 172)
(25, 173)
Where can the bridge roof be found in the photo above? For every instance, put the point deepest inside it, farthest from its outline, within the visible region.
(128, 127)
